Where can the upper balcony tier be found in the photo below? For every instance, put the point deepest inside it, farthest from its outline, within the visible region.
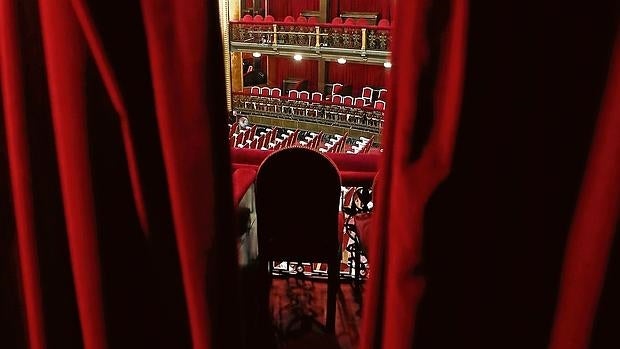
(351, 40)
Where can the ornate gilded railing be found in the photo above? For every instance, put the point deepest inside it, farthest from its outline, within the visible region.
(313, 35)
(322, 112)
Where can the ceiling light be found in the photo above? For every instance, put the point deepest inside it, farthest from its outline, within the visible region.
(297, 57)
(256, 54)
(387, 64)
(342, 60)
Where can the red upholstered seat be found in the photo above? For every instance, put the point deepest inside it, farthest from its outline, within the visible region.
(276, 92)
(355, 170)
(304, 95)
(301, 19)
(349, 21)
(313, 20)
(247, 18)
(384, 23)
(337, 20)
(269, 19)
(380, 105)
(258, 18)
(289, 19)
(337, 89)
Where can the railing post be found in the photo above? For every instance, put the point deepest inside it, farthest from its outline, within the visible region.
(275, 35)
(363, 39)
(318, 36)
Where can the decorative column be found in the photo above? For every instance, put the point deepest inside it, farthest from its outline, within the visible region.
(322, 71)
(230, 10)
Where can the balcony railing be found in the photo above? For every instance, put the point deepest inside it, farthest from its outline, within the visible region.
(318, 36)
(321, 112)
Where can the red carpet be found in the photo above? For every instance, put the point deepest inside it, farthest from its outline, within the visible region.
(298, 311)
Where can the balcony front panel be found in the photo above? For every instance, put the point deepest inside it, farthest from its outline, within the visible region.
(320, 38)
(319, 112)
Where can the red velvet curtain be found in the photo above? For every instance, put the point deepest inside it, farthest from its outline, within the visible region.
(499, 192)
(116, 211)
(357, 75)
(282, 8)
(383, 7)
(498, 197)
(286, 67)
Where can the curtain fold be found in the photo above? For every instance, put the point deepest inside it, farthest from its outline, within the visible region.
(490, 210)
(65, 56)
(279, 9)
(17, 148)
(144, 209)
(594, 224)
(406, 185)
(191, 123)
(287, 68)
(498, 197)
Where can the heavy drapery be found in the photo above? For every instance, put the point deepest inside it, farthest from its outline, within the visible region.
(287, 68)
(499, 191)
(279, 9)
(116, 210)
(357, 75)
(282, 8)
(498, 195)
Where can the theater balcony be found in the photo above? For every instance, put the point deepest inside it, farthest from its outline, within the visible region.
(356, 37)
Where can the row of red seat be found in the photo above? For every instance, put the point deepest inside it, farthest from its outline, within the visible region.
(364, 101)
(301, 19)
(355, 170)
(248, 139)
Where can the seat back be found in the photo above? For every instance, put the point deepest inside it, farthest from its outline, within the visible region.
(306, 230)
(293, 94)
(360, 102)
(289, 19)
(337, 99)
(367, 92)
(247, 18)
(276, 92)
(255, 90)
(347, 100)
(264, 91)
(380, 105)
(258, 18)
(384, 23)
(269, 19)
(304, 95)
(317, 96)
(337, 20)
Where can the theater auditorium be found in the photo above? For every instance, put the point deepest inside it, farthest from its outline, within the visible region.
(347, 174)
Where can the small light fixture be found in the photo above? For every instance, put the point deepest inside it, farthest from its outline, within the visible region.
(342, 60)
(297, 57)
(256, 54)
(387, 64)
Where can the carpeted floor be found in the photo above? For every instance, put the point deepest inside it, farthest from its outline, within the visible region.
(298, 311)
(296, 314)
